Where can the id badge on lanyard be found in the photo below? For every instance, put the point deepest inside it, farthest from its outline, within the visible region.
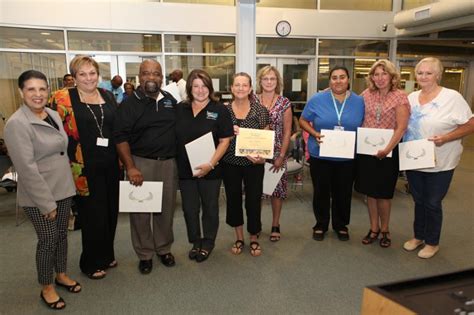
(340, 128)
(102, 142)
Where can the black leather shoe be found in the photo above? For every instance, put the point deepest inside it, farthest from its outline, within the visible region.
(145, 266)
(167, 260)
(342, 235)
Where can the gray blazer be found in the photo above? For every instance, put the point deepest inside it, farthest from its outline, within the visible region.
(39, 154)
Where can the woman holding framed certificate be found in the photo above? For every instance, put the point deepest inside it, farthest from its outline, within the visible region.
(386, 107)
(246, 112)
(269, 87)
(339, 109)
(443, 116)
(196, 117)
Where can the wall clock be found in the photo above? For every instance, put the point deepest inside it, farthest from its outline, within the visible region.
(283, 28)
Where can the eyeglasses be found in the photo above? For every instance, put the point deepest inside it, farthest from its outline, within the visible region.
(269, 79)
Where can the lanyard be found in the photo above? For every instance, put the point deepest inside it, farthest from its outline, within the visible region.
(339, 113)
(101, 126)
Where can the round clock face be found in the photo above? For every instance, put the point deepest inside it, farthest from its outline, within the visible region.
(283, 28)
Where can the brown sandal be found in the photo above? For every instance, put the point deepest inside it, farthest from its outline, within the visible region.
(255, 249)
(370, 237)
(385, 241)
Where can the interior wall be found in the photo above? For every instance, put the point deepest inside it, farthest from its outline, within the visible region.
(187, 18)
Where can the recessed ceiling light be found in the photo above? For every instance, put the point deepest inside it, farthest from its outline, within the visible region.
(147, 35)
(45, 33)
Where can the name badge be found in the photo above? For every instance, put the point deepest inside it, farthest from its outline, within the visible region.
(341, 128)
(102, 142)
(211, 115)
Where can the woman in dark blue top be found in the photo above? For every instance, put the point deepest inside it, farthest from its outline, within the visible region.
(339, 109)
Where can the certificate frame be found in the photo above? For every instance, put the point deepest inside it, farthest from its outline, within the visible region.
(255, 142)
(200, 151)
(146, 198)
(371, 140)
(416, 154)
(337, 144)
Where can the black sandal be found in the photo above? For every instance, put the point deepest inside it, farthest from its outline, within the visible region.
(237, 247)
(53, 305)
(71, 288)
(385, 241)
(96, 275)
(113, 264)
(255, 249)
(369, 239)
(275, 238)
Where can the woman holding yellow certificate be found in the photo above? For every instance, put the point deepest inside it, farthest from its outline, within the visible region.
(338, 109)
(246, 112)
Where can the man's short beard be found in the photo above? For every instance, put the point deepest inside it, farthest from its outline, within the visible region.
(151, 87)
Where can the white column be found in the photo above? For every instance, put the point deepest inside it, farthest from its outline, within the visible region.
(246, 41)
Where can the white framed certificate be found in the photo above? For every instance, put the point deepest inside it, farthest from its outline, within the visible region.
(371, 140)
(271, 179)
(337, 144)
(416, 154)
(200, 151)
(255, 142)
(144, 198)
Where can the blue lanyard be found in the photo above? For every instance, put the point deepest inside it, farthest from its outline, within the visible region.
(339, 113)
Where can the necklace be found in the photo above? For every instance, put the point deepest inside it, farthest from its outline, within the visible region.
(378, 110)
(268, 107)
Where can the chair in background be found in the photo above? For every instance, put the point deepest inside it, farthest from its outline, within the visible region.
(295, 165)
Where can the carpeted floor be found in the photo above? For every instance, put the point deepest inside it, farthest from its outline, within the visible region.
(294, 276)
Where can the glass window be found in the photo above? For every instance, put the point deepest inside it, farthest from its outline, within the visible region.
(219, 68)
(410, 4)
(436, 48)
(358, 70)
(101, 41)
(286, 46)
(453, 77)
(220, 2)
(27, 38)
(295, 4)
(369, 5)
(200, 44)
(363, 48)
(12, 64)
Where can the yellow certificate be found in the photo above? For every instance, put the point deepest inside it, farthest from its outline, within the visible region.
(255, 142)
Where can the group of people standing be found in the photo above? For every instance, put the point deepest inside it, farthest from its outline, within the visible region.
(77, 148)
(433, 112)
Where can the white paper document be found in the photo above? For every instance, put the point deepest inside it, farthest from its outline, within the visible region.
(270, 179)
(371, 140)
(144, 198)
(200, 151)
(416, 154)
(337, 144)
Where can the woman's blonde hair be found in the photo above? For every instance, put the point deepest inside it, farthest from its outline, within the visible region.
(437, 65)
(80, 60)
(388, 67)
(263, 72)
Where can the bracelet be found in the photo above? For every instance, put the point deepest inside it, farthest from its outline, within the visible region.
(210, 164)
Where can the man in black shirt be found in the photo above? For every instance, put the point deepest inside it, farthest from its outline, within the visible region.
(146, 143)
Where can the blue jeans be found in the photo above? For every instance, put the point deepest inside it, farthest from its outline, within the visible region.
(428, 191)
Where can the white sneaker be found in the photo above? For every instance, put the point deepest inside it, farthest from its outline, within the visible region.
(412, 244)
(428, 251)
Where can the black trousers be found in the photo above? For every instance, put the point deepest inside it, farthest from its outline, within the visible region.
(332, 185)
(196, 194)
(98, 213)
(252, 178)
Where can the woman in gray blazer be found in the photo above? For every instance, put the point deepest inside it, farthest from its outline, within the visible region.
(37, 145)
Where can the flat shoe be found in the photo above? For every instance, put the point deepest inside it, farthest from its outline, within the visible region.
(237, 247)
(412, 244)
(53, 305)
(428, 251)
(385, 241)
(255, 249)
(71, 288)
(318, 235)
(370, 237)
(113, 264)
(145, 266)
(96, 275)
(193, 253)
(202, 255)
(275, 234)
(342, 235)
